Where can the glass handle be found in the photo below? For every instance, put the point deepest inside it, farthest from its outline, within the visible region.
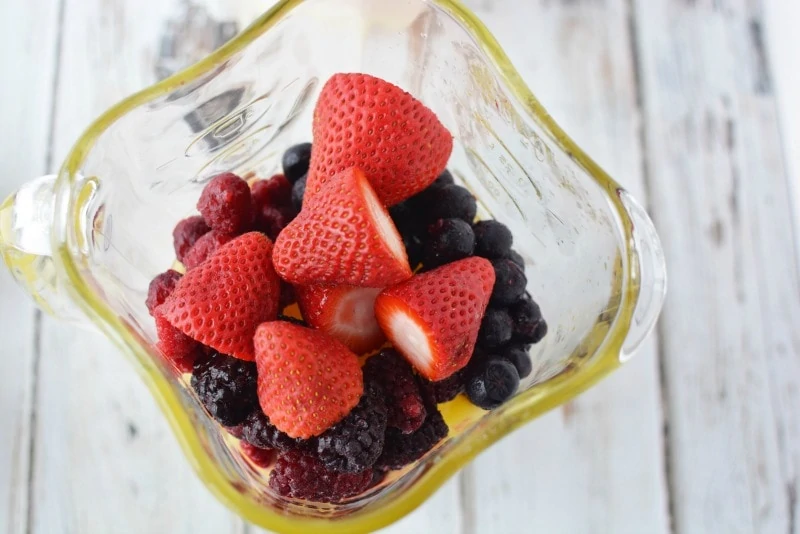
(650, 272)
(26, 219)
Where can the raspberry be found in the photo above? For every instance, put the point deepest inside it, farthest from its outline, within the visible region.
(448, 240)
(204, 248)
(492, 239)
(226, 386)
(186, 234)
(496, 329)
(353, 444)
(302, 476)
(226, 204)
(259, 432)
(405, 407)
(179, 348)
(275, 192)
(509, 282)
(160, 288)
(270, 220)
(444, 390)
(260, 457)
(235, 431)
(402, 449)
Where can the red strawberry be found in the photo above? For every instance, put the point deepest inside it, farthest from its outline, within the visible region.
(433, 319)
(344, 312)
(307, 381)
(342, 236)
(369, 123)
(221, 302)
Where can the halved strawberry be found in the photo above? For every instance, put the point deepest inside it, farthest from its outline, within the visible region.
(342, 236)
(370, 123)
(221, 302)
(307, 380)
(344, 312)
(433, 319)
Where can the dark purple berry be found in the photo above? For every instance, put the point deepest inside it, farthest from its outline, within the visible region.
(295, 161)
(519, 358)
(302, 476)
(226, 204)
(259, 432)
(298, 190)
(449, 202)
(414, 249)
(529, 326)
(517, 258)
(401, 449)
(404, 403)
(226, 387)
(287, 297)
(448, 240)
(353, 444)
(492, 239)
(491, 383)
(408, 219)
(445, 390)
(293, 320)
(160, 288)
(496, 329)
(444, 179)
(509, 282)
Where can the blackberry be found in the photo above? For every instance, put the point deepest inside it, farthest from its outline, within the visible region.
(444, 179)
(509, 283)
(298, 190)
(414, 249)
(496, 329)
(259, 432)
(226, 387)
(519, 358)
(448, 202)
(492, 382)
(492, 239)
(448, 240)
(301, 476)
(353, 444)
(186, 234)
(160, 288)
(226, 204)
(445, 390)
(529, 325)
(404, 404)
(517, 258)
(402, 449)
(295, 161)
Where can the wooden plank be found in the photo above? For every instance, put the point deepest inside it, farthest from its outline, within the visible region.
(596, 464)
(720, 195)
(28, 33)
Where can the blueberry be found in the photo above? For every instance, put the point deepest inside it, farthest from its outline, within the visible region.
(295, 161)
(448, 202)
(509, 283)
(448, 240)
(496, 329)
(529, 326)
(414, 249)
(516, 257)
(444, 179)
(298, 190)
(226, 387)
(491, 383)
(519, 358)
(492, 239)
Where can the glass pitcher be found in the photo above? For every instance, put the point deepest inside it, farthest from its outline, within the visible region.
(86, 242)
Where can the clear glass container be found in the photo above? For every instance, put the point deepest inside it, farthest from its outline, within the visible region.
(86, 243)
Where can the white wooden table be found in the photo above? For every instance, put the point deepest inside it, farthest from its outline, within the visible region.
(692, 105)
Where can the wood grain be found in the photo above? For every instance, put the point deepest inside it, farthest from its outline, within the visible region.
(573, 470)
(729, 330)
(28, 34)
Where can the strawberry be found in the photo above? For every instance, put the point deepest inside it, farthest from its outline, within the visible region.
(221, 302)
(342, 236)
(344, 312)
(307, 380)
(367, 122)
(433, 319)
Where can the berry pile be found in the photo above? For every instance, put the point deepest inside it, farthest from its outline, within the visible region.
(293, 283)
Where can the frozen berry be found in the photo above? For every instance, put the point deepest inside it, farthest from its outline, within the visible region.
(406, 409)
(270, 220)
(491, 383)
(204, 248)
(496, 329)
(226, 204)
(449, 202)
(414, 250)
(160, 288)
(301, 476)
(408, 219)
(226, 386)
(519, 358)
(235, 431)
(295, 161)
(354, 443)
(288, 296)
(275, 192)
(492, 239)
(529, 326)
(509, 282)
(448, 240)
(402, 449)
(258, 431)
(298, 190)
(260, 457)
(445, 390)
(516, 257)
(174, 344)
(186, 234)
(444, 179)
